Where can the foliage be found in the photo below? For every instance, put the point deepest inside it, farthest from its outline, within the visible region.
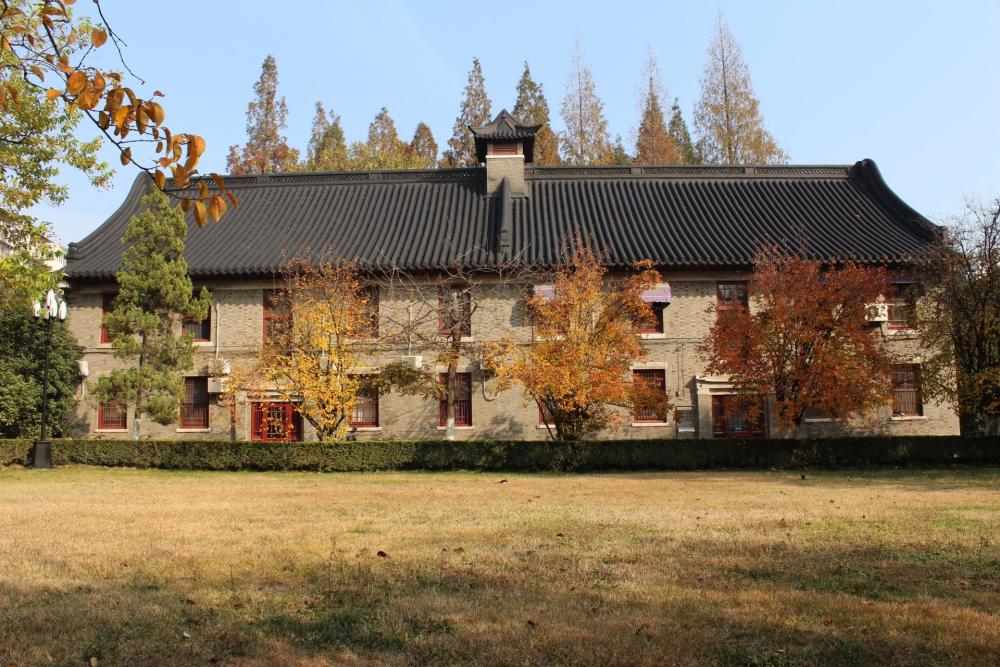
(531, 108)
(423, 148)
(513, 455)
(959, 318)
(267, 150)
(654, 143)
(315, 358)
(40, 42)
(327, 149)
(727, 118)
(473, 112)
(805, 340)
(384, 149)
(21, 368)
(154, 293)
(679, 131)
(585, 140)
(578, 368)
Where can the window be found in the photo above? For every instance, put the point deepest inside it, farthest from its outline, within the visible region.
(813, 412)
(365, 407)
(455, 311)
(505, 148)
(194, 407)
(731, 296)
(277, 312)
(902, 305)
(544, 415)
(906, 398)
(107, 305)
(655, 325)
(112, 415)
(462, 399)
(685, 420)
(370, 294)
(275, 422)
(654, 379)
(731, 420)
(200, 330)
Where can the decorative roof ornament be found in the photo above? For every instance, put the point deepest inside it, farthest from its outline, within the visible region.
(505, 128)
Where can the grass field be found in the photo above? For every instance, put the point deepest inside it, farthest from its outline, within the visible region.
(152, 567)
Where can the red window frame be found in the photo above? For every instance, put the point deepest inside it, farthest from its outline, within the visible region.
(731, 295)
(656, 376)
(107, 305)
(194, 406)
(463, 403)
(277, 310)
(544, 415)
(735, 425)
(464, 304)
(369, 395)
(901, 306)
(290, 421)
(907, 400)
(505, 148)
(656, 325)
(201, 330)
(112, 416)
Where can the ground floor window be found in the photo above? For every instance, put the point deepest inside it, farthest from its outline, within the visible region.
(730, 420)
(112, 415)
(365, 407)
(685, 420)
(462, 399)
(194, 407)
(906, 398)
(655, 379)
(275, 422)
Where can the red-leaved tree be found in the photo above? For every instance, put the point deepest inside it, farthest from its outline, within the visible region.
(804, 340)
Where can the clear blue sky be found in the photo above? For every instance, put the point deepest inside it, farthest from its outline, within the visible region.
(913, 85)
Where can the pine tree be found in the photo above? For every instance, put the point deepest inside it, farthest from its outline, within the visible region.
(267, 150)
(679, 131)
(423, 147)
(327, 150)
(531, 108)
(154, 293)
(473, 112)
(654, 144)
(618, 153)
(586, 139)
(727, 119)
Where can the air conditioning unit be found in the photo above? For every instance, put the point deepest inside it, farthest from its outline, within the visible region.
(416, 361)
(218, 385)
(877, 312)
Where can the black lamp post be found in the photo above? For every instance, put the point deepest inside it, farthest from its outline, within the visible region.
(52, 309)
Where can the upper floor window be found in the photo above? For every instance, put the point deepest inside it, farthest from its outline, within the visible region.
(277, 312)
(731, 296)
(902, 305)
(654, 325)
(107, 305)
(200, 330)
(462, 400)
(194, 407)
(370, 294)
(455, 311)
(906, 397)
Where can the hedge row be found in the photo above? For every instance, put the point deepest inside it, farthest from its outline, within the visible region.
(519, 455)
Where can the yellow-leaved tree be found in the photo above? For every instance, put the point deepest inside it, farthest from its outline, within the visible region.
(586, 340)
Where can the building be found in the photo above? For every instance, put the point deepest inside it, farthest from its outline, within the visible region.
(700, 224)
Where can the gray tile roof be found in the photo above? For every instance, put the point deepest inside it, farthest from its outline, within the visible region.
(679, 216)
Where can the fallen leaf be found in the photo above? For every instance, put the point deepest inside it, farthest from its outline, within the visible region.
(382, 554)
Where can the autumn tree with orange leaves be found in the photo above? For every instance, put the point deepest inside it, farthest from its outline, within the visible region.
(805, 340)
(586, 339)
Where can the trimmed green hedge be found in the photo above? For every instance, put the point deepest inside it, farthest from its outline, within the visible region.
(519, 455)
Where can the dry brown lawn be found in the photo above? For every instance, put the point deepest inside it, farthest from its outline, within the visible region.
(137, 567)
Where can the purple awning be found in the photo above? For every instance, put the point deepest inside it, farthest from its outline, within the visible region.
(544, 291)
(658, 294)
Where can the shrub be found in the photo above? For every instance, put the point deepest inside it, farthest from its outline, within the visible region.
(519, 455)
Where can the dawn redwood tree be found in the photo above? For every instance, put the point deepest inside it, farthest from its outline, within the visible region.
(586, 140)
(267, 150)
(383, 149)
(654, 143)
(327, 150)
(473, 112)
(154, 295)
(678, 129)
(423, 148)
(586, 340)
(727, 119)
(804, 340)
(531, 108)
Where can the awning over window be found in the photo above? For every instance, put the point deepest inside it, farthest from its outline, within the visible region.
(545, 291)
(658, 294)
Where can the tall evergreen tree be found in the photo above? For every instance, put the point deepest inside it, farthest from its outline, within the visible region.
(531, 108)
(423, 147)
(678, 129)
(383, 149)
(267, 150)
(473, 112)
(154, 293)
(327, 150)
(654, 144)
(618, 153)
(727, 119)
(586, 139)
